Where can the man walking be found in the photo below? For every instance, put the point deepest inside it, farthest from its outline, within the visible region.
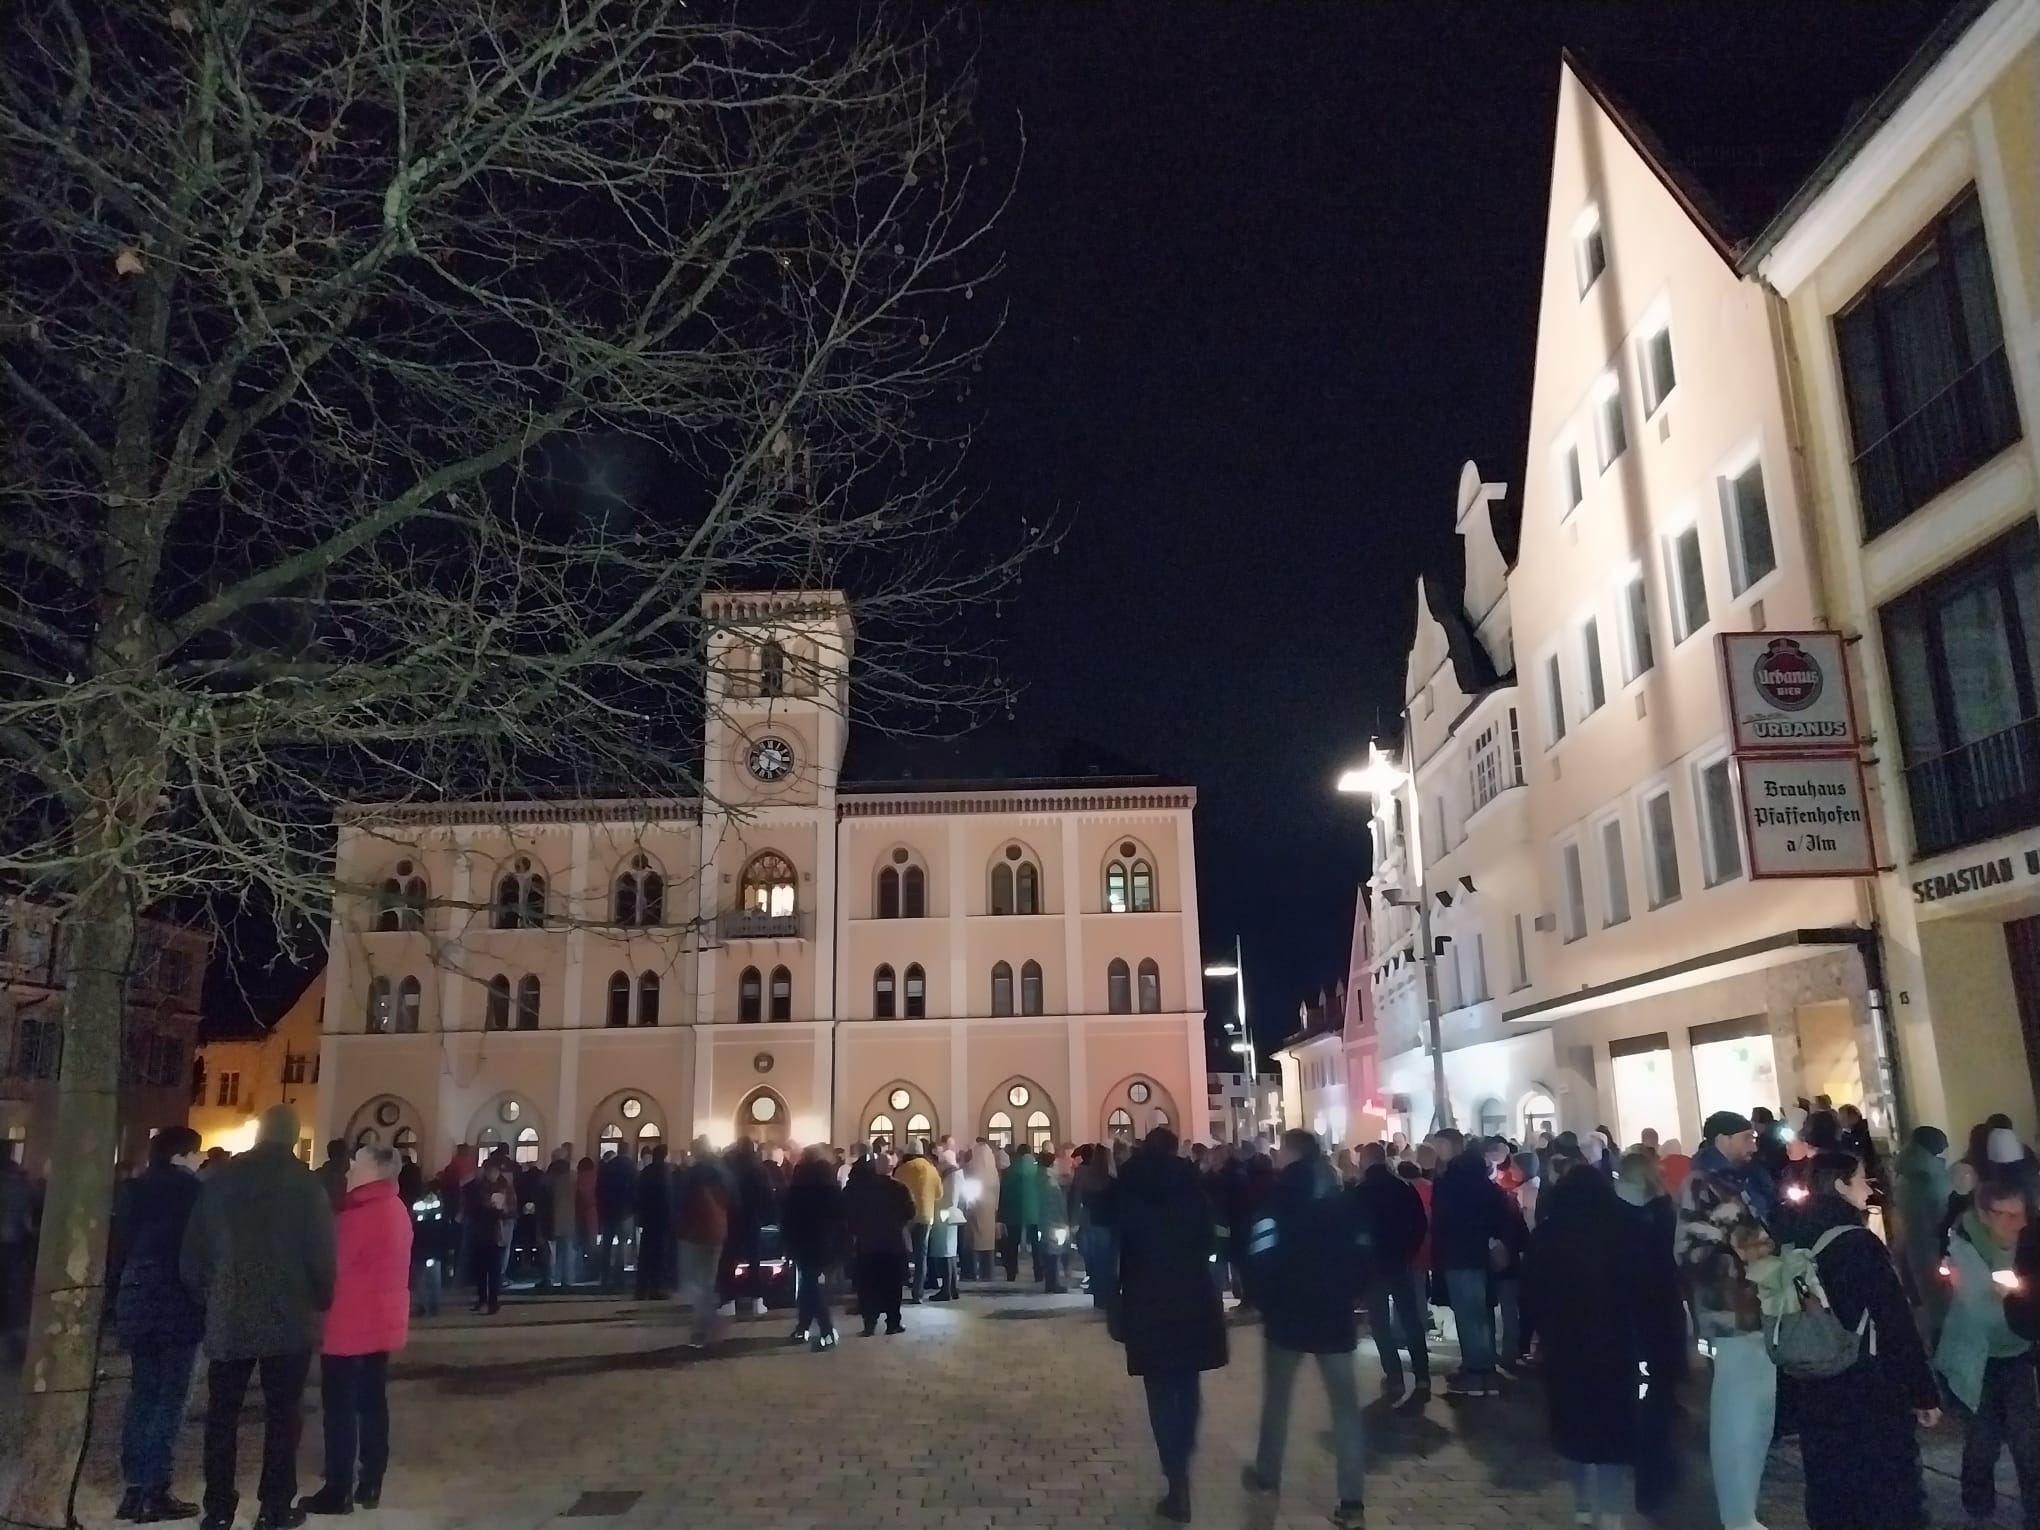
(259, 1254)
(1300, 1271)
(1723, 1212)
(1165, 1307)
(1469, 1221)
(1392, 1223)
(702, 1219)
(880, 1211)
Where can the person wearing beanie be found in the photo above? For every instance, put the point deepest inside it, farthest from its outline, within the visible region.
(259, 1254)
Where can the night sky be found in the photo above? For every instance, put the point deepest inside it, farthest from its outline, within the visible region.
(1272, 275)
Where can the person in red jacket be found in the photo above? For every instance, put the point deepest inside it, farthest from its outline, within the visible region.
(369, 1319)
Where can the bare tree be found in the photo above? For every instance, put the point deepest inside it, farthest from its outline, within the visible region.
(308, 306)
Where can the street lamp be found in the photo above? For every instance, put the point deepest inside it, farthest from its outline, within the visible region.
(1236, 970)
(1381, 777)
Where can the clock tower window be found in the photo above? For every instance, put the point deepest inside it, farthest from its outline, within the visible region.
(768, 886)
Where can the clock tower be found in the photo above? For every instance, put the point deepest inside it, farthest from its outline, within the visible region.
(777, 693)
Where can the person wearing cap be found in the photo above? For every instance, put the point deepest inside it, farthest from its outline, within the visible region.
(260, 1254)
(1724, 1211)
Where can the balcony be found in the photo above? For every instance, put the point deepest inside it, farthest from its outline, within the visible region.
(749, 924)
(1978, 791)
(1942, 442)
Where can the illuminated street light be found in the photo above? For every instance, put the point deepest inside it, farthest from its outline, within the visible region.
(1379, 777)
(1222, 970)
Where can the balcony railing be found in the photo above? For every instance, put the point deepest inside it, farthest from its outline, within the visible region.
(748, 924)
(1976, 792)
(1942, 442)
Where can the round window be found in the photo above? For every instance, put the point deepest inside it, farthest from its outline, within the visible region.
(1017, 1096)
(1128, 847)
(1012, 852)
(387, 1113)
(762, 1063)
(899, 1099)
(1138, 1091)
(403, 868)
(764, 1108)
(899, 857)
(511, 1110)
(633, 1108)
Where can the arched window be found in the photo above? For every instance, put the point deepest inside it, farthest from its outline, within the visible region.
(1040, 1131)
(611, 1142)
(1026, 888)
(648, 998)
(619, 999)
(889, 893)
(1016, 883)
(379, 1006)
(1491, 1118)
(1002, 889)
(782, 994)
(914, 893)
(769, 886)
(1115, 888)
(400, 901)
(771, 670)
(999, 1130)
(1143, 888)
(1540, 1114)
(750, 996)
(1002, 988)
(410, 998)
(1150, 987)
(640, 893)
(497, 1017)
(520, 896)
(1030, 988)
(1119, 1125)
(406, 1142)
(880, 1132)
(527, 1003)
(884, 1003)
(919, 1128)
(525, 1148)
(1119, 988)
(917, 992)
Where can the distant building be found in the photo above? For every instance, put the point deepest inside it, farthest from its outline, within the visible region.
(1240, 1108)
(1315, 1089)
(161, 1023)
(241, 1074)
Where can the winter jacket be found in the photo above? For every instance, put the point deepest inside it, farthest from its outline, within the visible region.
(556, 1205)
(948, 1215)
(2022, 1307)
(1721, 1232)
(333, 1179)
(585, 1223)
(924, 1183)
(983, 1211)
(1857, 1277)
(1468, 1210)
(702, 1202)
(1020, 1194)
(371, 1313)
(655, 1199)
(153, 1308)
(1302, 1266)
(1391, 1218)
(615, 1190)
(811, 1218)
(259, 1254)
(1168, 1311)
(1922, 1183)
(879, 1208)
(1976, 1331)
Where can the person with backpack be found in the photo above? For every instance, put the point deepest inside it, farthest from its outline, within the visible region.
(1857, 1424)
(1987, 1362)
(1721, 1232)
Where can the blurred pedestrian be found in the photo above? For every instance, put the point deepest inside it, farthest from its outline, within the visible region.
(160, 1325)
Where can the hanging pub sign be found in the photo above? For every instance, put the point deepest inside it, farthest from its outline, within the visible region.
(1805, 816)
(1788, 693)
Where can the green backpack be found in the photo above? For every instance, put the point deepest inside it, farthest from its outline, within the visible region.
(1804, 1337)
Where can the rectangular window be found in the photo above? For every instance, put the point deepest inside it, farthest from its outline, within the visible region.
(1686, 576)
(1963, 651)
(1590, 657)
(1746, 528)
(1654, 366)
(1661, 849)
(1638, 653)
(1554, 701)
(917, 994)
(1614, 873)
(1449, 997)
(1611, 432)
(1477, 988)
(1590, 250)
(1572, 483)
(1573, 884)
(1720, 833)
(1924, 370)
(230, 1088)
(1519, 954)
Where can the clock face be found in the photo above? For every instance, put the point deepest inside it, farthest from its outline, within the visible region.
(770, 759)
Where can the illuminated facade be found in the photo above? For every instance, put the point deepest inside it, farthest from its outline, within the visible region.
(797, 956)
(241, 1075)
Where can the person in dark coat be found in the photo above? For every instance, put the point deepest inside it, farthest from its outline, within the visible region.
(654, 1227)
(812, 1227)
(160, 1325)
(1165, 1306)
(333, 1172)
(752, 1210)
(1391, 1219)
(880, 1211)
(1857, 1430)
(1303, 1257)
(1592, 1317)
(1650, 1224)
(1470, 1215)
(615, 1200)
(259, 1252)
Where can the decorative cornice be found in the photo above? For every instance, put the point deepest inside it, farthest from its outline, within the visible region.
(1074, 800)
(498, 814)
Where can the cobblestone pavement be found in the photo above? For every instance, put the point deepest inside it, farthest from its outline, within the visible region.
(1007, 1411)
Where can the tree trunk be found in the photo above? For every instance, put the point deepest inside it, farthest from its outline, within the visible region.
(70, 1269)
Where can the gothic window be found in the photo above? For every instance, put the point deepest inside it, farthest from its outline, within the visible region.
(497, 1014)
(410, 998)
(914, 893)
(1030, 988)
(1150, 988)
(782, 994)
(648, 998)
(917, 992)
(520, 896)
(1002, 988)
(889, 893)
(884, 1004)
(400, 901)
(1119, 988)
(769, 886)
(750, 996)
(379, 1006)
(527, 1003)
(619, 1000)
(771, 670)
(640, 894)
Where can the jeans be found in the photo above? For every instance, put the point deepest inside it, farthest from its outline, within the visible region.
(613, 1254)
(160, 1387)
(1509, 1297)
(1342, 1391)
(1397, 1319)
(425, 1288)
(564, 1265)
(1742, 1407)
(917, 1261)
(1599, 1489)
(983, 1257)
(354, 1407)
(698, 1265)
(1174, 1400)
(283, 1390)
(1101, 1265)
(811, 1299)
(2007, 1413)
(1475, 1319)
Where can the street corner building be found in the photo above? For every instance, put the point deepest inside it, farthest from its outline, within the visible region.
(816, 949)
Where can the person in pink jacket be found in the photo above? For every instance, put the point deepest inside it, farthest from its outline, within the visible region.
(369, 1320)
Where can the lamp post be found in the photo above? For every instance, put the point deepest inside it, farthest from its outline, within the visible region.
(1381, 777)
(1236, 970)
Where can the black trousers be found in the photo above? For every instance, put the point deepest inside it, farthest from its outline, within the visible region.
(488, 1274)
(354, 1407)
(2007, 1414)
(653, 1262)
(880, 1275)
(283, 1390)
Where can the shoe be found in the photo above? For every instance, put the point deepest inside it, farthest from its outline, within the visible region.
(217, 1520)
(130, 1504)
(870, 1329)
(800, 1336)
(368, 1497)
(161, 1508)
(1417, 1401)
(943, 1296)
(1252, 1480)
(914, 1300)
(1175, 1504)
(328, 1500)
(285, 1518)
(822, 1341)
(893, 1328)
(1350, 1515)
(1391, 1390)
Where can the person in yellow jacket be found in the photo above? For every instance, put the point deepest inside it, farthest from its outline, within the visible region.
(923, 1180)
